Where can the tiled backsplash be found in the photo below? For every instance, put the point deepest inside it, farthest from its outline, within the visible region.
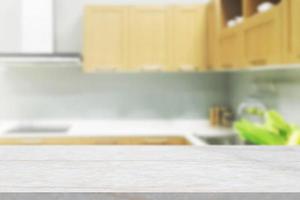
(64, 92)
(51, 92)
(278, 89)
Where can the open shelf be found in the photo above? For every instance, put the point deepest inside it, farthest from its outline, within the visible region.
(251, 6)
(230, 9)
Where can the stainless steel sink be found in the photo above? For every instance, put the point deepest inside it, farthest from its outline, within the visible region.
(38, 129)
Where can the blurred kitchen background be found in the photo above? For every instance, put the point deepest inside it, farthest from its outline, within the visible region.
(42, 80)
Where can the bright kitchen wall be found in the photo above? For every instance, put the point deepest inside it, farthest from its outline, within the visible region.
(10, 26)
(37, 26)
(277, 89)
(58, 92)
(63, 92)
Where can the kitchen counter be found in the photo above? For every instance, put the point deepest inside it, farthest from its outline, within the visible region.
(106, 132)
(199, 128)
(150, 169)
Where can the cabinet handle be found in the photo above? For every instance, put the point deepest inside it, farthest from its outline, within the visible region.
(227, 66)
(258, 62)
(152, 67)
(188, 68)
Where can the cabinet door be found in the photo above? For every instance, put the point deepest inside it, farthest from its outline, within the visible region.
(105, 37)
(231, 48)
(211, 26)
(148, 37)
(263, 38)
(292, 30)
(188, 37)
(213, 32)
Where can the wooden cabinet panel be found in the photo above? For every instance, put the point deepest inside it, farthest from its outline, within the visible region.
(231, 48)
(292, 30)
(148, 37)
(105, 37)
(263, 38)
(145, 37)
(212, 36)
(189, 37)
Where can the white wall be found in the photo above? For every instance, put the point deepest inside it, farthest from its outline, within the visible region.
(69, 15)
(281, 93)
(37, 26)
(41, 92)
(10, 26)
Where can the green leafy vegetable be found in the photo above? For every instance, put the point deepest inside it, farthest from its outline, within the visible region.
(275, 120)
(294, 139)
(257, 134)
(275, 131)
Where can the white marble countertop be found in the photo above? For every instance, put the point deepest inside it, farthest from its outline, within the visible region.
(125, 127)
(149, 169)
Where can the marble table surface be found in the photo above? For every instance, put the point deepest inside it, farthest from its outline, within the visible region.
(207, 169)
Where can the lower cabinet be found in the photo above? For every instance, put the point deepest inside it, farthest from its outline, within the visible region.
(231, 48)
(292, 31)
(95, 140)
(263, 41)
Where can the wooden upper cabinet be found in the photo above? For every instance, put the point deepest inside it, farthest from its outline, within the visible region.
(257, 40)
(231, 48)
(230, 39)
(292, 31)
(148, 37)
(188, 39)
(105, 38)
(263, 36)
(212, 35)
(145, 37)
